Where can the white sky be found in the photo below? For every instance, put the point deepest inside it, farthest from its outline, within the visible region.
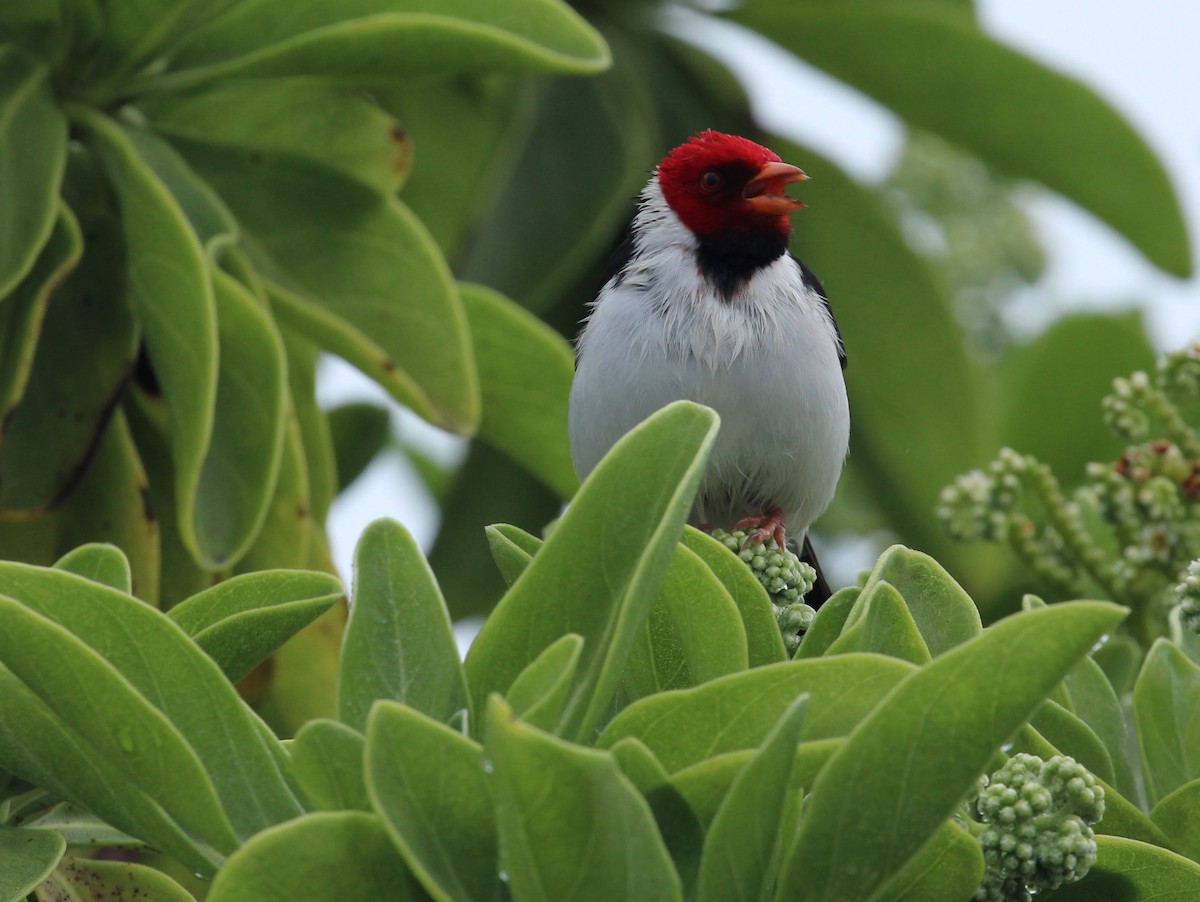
(1142, 57)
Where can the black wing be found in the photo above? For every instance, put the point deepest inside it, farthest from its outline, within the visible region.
(815, 284)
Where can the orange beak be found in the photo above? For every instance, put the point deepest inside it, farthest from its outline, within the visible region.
(765, 192)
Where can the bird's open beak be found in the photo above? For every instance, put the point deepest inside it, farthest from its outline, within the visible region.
(765, 192)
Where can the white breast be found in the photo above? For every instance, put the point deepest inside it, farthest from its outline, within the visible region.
(765, 360)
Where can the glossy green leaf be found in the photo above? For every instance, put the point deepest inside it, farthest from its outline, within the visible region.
(828, 624)
(943, 612)
(84, 878)
(42, 750)
(599, 126)
(540, 691)
(916, 384)
(1178, 816)
(29, 857)
(333, 127)
(101, 563)
(764, 644)
(359, 431)
(602, 567)
(572, 826)
(312, 858)
(939, 71)
(328, 760)
(743, 838)
(1060, 377)
(511, 549)
(355, 271)
(173, 296)
(86, 344)
(22, 311)
(525, 371)
(381, 40)
(694, 633)
(949, 869)
(1165, 701)
(399, 643)
(1132, 871)
(316, 442)
(943, 722)
(145, 655)
(689, 725)
(33, 148)
(240, 621)
(881, 622)
(428, 783)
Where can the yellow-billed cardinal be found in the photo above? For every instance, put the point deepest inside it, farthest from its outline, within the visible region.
(708, 305)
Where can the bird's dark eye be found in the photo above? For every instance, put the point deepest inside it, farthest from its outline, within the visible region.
(711, 181)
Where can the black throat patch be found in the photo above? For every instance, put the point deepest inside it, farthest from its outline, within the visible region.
(728, 260)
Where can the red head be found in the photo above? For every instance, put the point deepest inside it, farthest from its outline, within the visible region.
(719, 183)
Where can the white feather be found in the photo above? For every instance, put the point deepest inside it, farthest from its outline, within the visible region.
(766, 360)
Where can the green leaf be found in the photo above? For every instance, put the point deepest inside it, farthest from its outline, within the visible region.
(1092, 699)
(828, 624)
(315, 440)
(428, 783)
(333, 127)
(1060, 378)
(1132, 871)
(241, 621)
(83, 878)
(33, 152)
(689, 725)
(1165, 701)
(355, 271)
(173, 296)
(938, 70)
(101, 563)
(90, 696)
(359, 431)
(602, 566)
(599, 126)
(942, 611)
(510, 549)
(22, 312)
(1178, 815)
(743, 838)
(398, 643)
(314, 857)
(124, 702)
(907, 766)
(1121, 660)
(327, 758)
(540, 691)
(881, 622)
(42, 750)
(29, 857)
(382, 40)
(1073, 737)
(693, 634)
(949, 869)
(764, 644)
(572, 826)
(525, 371)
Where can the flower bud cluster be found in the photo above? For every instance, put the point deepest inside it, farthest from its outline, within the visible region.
(786, 578)
(1188, 593)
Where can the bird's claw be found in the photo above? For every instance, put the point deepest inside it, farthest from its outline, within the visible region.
(767, 525)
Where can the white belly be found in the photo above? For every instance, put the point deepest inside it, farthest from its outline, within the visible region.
(771, 372)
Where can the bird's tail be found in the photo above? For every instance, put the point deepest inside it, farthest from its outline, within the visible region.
(820, 591)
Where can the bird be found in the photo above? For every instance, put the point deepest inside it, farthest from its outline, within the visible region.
(707, 304)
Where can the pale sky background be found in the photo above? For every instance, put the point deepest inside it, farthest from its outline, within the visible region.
(1142, 58)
